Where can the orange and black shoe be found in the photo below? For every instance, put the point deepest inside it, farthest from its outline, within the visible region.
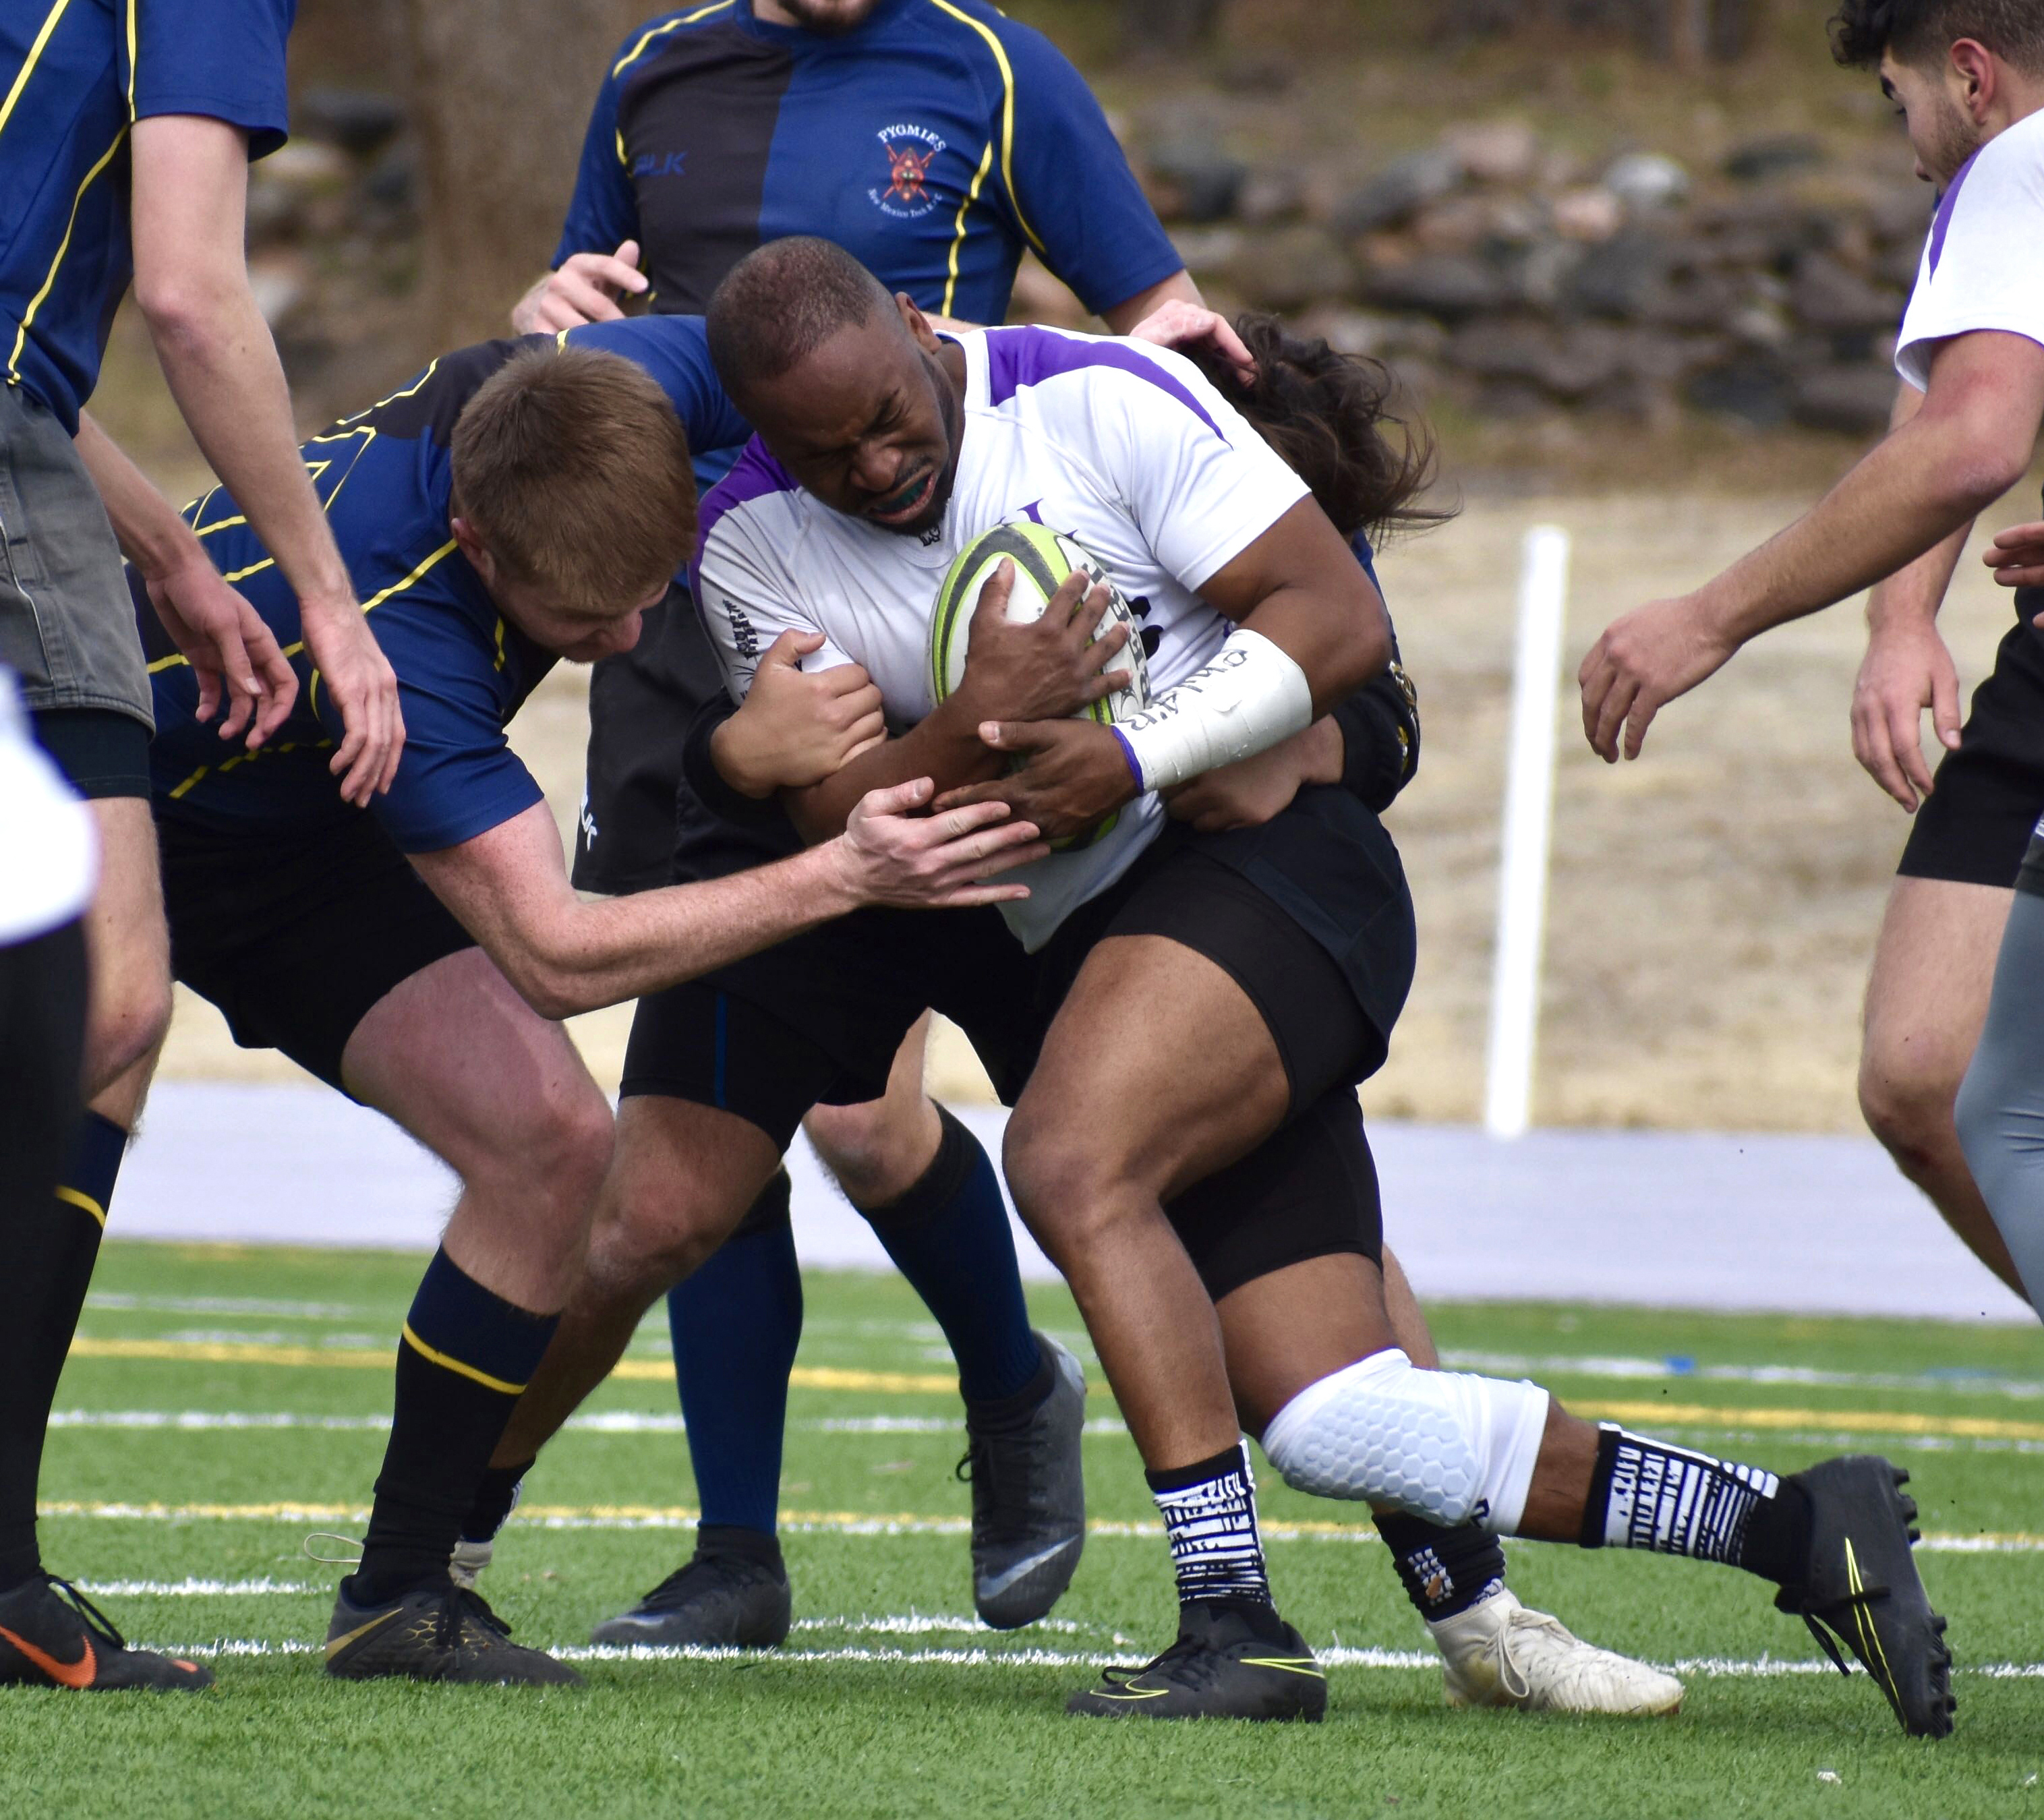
(437, 1632)
(49, 1641)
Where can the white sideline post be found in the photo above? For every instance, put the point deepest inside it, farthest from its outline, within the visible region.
(1529, 795)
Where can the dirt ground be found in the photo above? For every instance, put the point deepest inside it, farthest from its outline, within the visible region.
(1713, 906)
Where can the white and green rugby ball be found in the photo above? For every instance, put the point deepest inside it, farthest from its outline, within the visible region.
(1042, 558)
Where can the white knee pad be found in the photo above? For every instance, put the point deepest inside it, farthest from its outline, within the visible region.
(1444, 1446)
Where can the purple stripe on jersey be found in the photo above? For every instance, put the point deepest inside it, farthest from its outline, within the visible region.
(754, 475)
(1942, 220)
(1019, 357)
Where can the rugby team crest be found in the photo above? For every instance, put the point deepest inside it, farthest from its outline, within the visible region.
(907, 194)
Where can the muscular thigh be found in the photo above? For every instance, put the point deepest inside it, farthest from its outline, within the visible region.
(682, 1176)
(1294, 1327)
(457, 1058)
(1158, 1068)
(1933, 969)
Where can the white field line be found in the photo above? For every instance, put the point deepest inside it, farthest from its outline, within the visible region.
(194, 1588)
(1704, 1668)
(1098, 1427)
(826, 1522)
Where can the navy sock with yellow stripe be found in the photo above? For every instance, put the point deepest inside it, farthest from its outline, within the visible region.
(463, 1358)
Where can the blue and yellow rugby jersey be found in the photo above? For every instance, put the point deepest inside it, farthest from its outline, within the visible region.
(75, 77)
(385, 479)
(934, 143)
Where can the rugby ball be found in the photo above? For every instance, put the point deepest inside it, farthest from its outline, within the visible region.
(1042, 558)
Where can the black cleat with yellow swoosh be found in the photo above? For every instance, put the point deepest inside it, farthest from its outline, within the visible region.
(435, 1632)
(1222, 1667)
(1860, 1583)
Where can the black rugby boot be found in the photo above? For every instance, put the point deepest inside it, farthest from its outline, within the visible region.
(721, 1600)
(437, 1632)
(1861, 1582)
(1222, 1667)
(1028, 1500)
(47, 1640)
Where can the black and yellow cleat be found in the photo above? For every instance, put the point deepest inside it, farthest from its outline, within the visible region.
(1861, 1583)
(49, 1642)
(1222, 1667)
(437, 1632)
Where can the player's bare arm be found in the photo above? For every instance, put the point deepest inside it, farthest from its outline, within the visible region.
(566, 956)
(232, 653)
(1970, 441)
(584, 287)
(1316, 630)
(191, 281)
(1908, 667)
(1034, 671)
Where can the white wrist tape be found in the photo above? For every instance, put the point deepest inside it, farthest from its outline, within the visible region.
(1444, 1445)
(1252, 695)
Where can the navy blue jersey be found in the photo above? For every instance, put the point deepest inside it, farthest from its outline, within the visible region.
(385, 477)
(74, 76)
(934, 143)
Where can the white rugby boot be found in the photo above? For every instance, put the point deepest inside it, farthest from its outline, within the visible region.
(1498, 1653)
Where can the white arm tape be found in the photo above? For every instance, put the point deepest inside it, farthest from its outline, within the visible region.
(1252, 695)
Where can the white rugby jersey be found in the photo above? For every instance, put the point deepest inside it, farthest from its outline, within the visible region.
(1123, 446)
(1983, 257)
(49, 847)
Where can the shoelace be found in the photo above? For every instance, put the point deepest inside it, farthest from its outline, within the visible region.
(1186, 1653)
(460, 1604)
(1794, 1602)
(90, 1614)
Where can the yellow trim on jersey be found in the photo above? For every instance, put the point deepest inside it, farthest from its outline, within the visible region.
(958, 236)
(201, 772)
(449, 1362)
(72, 1198)
(639, 50)
(1007, 116)
(131, 59)
(35, 56)
(500, 641)
(368, 606)
(63, 247)
(339, 435)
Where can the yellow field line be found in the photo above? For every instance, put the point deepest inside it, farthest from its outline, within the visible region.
(934, 1383)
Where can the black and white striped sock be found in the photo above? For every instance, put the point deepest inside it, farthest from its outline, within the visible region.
(1646, 1494)
(1209, 1512)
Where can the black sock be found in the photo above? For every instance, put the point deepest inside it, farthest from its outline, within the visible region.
(1646, 1494)
(464, 1357)
(1209, 1511)
(949, 1235)
(496, 1497)
(1445, 1570)
(734, 1539)
(49, 1262)
(999, 1415)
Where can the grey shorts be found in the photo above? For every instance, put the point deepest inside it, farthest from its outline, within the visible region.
(67, 619)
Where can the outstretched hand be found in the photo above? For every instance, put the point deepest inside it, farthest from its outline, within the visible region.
(895, 856)
(1645, 659)
(350, 666)
(1073, 774)
(1039, 668)
(232, 653)
(1179, 325)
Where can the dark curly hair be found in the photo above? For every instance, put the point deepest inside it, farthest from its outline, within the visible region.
(1918, 31)
(1326, 413)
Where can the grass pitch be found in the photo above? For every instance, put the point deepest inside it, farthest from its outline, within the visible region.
(222, 1404)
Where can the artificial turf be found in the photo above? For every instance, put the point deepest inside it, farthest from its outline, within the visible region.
(888, 1698)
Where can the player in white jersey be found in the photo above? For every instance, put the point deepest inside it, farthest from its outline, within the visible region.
(1181, 1048)
(1968, 76)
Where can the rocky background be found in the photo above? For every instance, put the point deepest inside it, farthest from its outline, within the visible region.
(1549, 224)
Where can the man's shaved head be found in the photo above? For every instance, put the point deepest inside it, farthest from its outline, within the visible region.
(781, 303)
